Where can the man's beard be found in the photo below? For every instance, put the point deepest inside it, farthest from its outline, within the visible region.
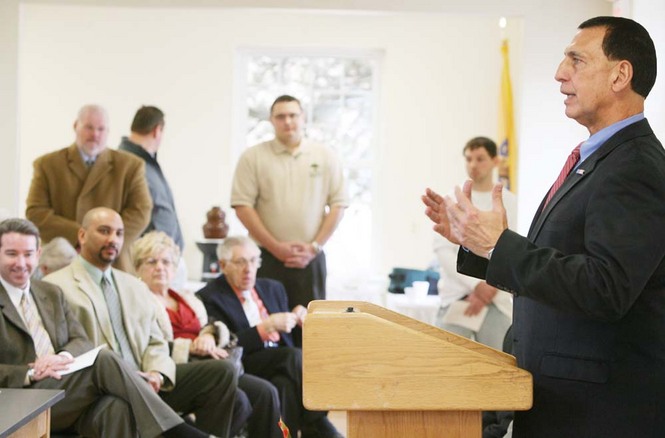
(108, 260)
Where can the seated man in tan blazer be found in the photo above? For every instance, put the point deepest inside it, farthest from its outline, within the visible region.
(69, 182)
(116, 309)
(39, 334)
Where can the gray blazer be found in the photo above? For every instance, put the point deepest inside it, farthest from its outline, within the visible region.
(17, 347)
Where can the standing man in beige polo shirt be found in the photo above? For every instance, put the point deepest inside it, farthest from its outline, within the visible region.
(290, 195)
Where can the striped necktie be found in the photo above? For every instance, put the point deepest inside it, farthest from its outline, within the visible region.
(572, 160)
(115, 313)
(43, 345)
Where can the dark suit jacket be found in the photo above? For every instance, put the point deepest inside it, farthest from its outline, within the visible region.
(17, 347)
(163, 217)
(63, 190)
(589, 285)
(222, 304)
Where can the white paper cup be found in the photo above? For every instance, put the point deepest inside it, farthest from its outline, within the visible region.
(421, 288)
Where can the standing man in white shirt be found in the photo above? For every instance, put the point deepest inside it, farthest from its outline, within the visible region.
(289, 193)
(481, 158)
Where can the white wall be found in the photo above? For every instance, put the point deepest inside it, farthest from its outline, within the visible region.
(651, 14)
(439, 87)
(8, 107)
(435, 94)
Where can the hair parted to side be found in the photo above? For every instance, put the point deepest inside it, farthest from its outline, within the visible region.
(146, 119)
(151, 244)
(20, 226)
(225, 249)
(284, 98)
(481, 142)
(626, 39)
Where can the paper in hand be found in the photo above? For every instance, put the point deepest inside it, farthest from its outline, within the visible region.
(455, 316)
(82, 361)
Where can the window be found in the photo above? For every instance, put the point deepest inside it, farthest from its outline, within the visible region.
(339, 94)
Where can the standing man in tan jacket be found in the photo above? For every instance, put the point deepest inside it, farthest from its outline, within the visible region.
(69, 182)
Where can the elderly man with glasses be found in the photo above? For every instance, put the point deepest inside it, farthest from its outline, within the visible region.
(257, 310)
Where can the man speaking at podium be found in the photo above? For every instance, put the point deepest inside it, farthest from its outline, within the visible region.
(589, 279)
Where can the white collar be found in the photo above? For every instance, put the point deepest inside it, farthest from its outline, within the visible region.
(15, 293)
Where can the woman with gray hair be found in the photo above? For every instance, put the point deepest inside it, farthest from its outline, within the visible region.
(56, 254)
(184, 323)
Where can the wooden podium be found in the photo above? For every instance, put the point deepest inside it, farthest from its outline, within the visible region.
(398, 377)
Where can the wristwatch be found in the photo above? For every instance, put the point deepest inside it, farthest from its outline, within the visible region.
(317, 248)
(31, 375)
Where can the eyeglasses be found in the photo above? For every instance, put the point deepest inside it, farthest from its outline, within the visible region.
(152, 262)
(243, 263)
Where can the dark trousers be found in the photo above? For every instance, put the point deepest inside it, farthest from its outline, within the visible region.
(265, 413)
(282, 366)
(302, 285)
(108, 399)
(206, 388)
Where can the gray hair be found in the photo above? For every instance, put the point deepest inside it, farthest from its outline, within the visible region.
(56, 254)
(92, 108)
(225, 249)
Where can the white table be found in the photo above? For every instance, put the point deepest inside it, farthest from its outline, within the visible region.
(424, 309)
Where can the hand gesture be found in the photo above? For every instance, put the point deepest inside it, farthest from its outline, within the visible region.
(49, 366)
(301, 313)
(481, 296)
(302, 254)
(205, 345)
(153, 378)
(283, 250)
(476, 230)
(280, 322)
(436, 211)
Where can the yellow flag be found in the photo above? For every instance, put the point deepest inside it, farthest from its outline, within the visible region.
(507, 139)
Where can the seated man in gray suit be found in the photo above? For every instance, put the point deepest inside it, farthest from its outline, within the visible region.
(115, 308)
(39, 336)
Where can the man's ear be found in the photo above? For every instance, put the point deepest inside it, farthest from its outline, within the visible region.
(622, 75)
(81, 236)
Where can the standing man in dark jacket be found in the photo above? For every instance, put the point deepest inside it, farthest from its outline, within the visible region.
(589, 279)
(144, 141)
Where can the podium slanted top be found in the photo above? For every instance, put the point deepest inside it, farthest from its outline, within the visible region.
(360, 356)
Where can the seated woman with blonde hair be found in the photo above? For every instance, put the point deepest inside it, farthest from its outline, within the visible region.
(184, 322)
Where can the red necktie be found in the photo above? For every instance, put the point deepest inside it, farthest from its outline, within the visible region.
(572, 160)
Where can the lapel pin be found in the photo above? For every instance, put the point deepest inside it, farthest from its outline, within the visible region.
(580, 171)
